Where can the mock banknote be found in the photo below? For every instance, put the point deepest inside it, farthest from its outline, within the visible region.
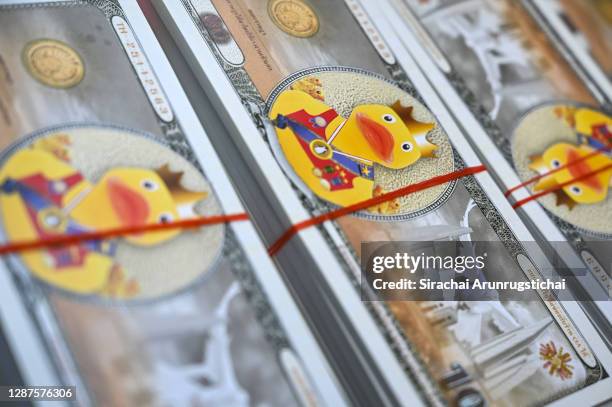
(537, 109)
(90, 141)
(345, 124)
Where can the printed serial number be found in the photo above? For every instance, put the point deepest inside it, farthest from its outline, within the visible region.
(37, 393)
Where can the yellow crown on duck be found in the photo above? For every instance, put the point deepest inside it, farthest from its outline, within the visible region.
(180, 194)
(419, 129)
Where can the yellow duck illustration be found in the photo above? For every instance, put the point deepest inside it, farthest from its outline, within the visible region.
(42, 195)
(593, 131)
(334, 155)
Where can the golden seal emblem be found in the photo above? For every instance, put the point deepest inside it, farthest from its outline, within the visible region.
(53, 63)
(294, 17)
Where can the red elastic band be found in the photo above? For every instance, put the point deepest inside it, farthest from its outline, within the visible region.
(522, 202)
(337, 213)
(64, 240)
(566, 165)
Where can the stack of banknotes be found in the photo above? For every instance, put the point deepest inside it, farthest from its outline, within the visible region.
(270, 118)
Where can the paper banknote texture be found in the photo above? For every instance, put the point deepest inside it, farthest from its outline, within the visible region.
(90, 141)
(345, 124)
(537, 107)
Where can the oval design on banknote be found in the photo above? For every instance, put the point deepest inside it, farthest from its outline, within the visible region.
(347, 135)
(216, 28)
(87, 178)
(295, 17)
(53, 63)
(563, 145)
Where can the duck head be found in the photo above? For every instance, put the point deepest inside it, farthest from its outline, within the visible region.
(387, 135)
(138, 196)
(588, 190)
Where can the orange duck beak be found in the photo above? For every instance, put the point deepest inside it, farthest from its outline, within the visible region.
(378, 137)
(131, 208)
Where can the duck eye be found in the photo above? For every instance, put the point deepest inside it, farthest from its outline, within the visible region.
(389, 118)
(406, 146)
(555, 163)
(165, 218)
(576, 190)
(149, 185)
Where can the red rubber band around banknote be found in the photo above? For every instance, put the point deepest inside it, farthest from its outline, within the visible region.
(522, 202)
(398, 193)
(65, 240)
(566, 165)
